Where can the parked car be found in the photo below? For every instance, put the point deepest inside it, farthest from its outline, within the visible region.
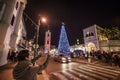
(62, 58)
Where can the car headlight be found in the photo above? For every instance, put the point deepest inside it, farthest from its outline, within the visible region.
(69, 58)
(63, 58)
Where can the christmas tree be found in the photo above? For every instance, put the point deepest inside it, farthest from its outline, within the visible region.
(63, 47)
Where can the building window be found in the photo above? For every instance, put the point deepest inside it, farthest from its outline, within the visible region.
(2, 8)
(13, 19)
(48, 35)
(89, 34)
(17, 5)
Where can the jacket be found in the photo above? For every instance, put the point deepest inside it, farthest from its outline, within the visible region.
(24, 70)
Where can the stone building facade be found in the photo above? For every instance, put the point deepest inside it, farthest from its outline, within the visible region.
(94, 40)
(11, 26)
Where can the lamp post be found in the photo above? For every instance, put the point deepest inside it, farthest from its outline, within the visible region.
(37, 35)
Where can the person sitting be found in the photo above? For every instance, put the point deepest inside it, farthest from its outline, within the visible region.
(25, 70)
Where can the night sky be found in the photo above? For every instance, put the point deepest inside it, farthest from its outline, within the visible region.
(76, 14)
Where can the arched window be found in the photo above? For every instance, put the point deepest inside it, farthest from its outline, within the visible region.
(12, 21)
(17, 5)
(91, 34)
(48, 35)
(87, 34)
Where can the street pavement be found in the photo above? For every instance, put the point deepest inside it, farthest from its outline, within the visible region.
(90, 67)
(88, 70)
(6, 71)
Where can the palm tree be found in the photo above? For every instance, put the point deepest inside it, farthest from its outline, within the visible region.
(111, 34)
(115, 33)
(107, 33)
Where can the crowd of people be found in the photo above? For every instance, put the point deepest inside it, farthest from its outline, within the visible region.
(12, 54)
(26, 68)
(107, 57)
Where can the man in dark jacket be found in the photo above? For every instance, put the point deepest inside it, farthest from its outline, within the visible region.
(25, 70)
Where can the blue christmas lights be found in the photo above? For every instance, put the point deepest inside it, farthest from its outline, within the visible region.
(63, 47)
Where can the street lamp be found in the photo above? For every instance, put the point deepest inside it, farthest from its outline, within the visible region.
(40, 20)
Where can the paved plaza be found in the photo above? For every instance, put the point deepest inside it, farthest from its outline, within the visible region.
(6, 71)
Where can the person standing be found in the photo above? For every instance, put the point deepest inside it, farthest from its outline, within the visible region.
(25, 70)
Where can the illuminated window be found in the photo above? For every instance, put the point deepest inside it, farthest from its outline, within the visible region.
(89, 34)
